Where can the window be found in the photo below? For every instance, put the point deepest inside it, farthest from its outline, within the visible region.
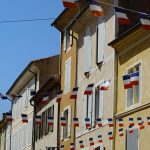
(133, 94)
(100, 39)
(67, 39)
(87, 46)
(67, 75)
(66, 131)
(132, 140)
(30, 132)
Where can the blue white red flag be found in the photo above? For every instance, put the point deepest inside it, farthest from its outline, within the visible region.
(100, 140)
(89, 89)
(140, 123)
(63, 121)
(45, 99)
(74, 93)
(110, 122)
(81, 144)
(134, 78)
(122, 16)
(72, 146)
(99, 122)
(38, 120)
(148, 120)
(145, 21)
(24, 118)
(76, 122)
(131, 122)
(69, 3)
(127, 81)
(120, 121)
(121, 133)
(105, 85)
(87, 122)
(62, 147)
(110, 136)
(32, 92)
(50, 121)
(130, 129)
(96, 8)
(91, 141)
(9, 117)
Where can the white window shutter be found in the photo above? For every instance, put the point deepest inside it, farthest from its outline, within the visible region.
(100, 39)
(84, 109)
(62, 129)
(71, 39)
(69, 74)
(93, 110)
(65, 40)
(87, 51)
(66, 74)
(101, 104)
(69, 122)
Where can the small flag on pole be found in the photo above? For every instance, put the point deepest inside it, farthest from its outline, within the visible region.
(72, 146)
(99, 122)
(110, 122)
(140, 123)
(50, 121)
(100, 140)
(91, 141)
(145, 21)
(95, 8)
(131, 122)
(59, 96)
(120, 121)
(32, 92)
(38, 120)
(134, 78)
(2, 96)
(74, 93)
(87, 122)
(81, 144)
(110, 136)
(24, 118)
(76, 122)
(63, 121)
(9, 117)
(121, 132)
(127, 82)
(62, 147)
(148, 120)
(130, 129)
(45, 99)
(89, 89)
(105, 85)
(122, 16)
(69, 3)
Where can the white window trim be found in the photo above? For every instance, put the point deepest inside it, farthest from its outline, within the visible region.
(67, 90)
(140, 93)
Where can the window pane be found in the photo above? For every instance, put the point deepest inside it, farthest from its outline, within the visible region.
(97, 103)
(129, 97)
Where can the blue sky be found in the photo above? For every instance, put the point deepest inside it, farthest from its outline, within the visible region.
(22, 42)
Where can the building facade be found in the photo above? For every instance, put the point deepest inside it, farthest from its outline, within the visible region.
(68, 74)
(96, 62)
(132, 53)
(31, 79)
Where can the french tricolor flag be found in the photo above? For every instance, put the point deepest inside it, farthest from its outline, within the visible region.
(130, 129)
(127, 82)
(63, 121)
(134, 78)
(100, 140)
(110, 122)
(91, 141)
(110, 136)
(38, 120)
(76, 122)
(50, 121)
(121, 132)
(89, 89)
(45, 99)
(95, 8)
(99, 122)
(87, 122)
(24, 118)
(105, 85)
(140, 123)
(74, 93)
(145, 21)
(148, 120)
(62, 147)
(120, 121)
(122, 16)
(69, 3)
(72, 146)
(131, 122)
(9, 117)
(81, 144)
(59, 96)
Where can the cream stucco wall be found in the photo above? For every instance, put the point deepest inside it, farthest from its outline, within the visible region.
(97, 75)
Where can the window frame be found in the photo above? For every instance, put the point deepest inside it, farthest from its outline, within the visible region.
(140, 85)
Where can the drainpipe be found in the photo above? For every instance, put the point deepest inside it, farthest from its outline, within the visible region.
(34, 110)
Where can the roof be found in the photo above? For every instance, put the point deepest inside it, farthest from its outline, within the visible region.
(26, 70)
(49, 84)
